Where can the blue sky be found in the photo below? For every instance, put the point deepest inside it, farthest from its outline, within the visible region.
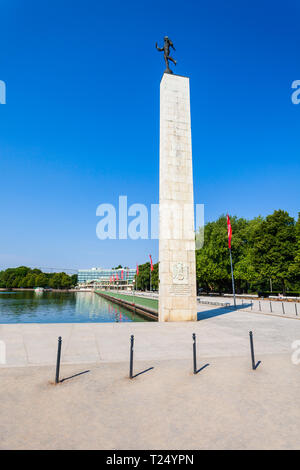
(81, 123)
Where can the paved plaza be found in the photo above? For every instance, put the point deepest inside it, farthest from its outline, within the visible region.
(220, 332)
(225, 406)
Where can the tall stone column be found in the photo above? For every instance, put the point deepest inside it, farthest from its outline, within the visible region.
(177, 270)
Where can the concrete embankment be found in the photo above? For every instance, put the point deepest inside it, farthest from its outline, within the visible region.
(143, 306)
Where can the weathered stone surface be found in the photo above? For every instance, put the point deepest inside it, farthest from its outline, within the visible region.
(177, 272)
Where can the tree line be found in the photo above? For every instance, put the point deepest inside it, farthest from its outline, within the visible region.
(24, 277)
(265, 252)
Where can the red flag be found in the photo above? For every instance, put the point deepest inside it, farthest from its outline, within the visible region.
(113, 277)
(137, 269)
(229, 231)
(117, 276)
(122, 275)
(151, 264)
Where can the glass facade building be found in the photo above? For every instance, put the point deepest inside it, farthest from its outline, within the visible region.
(96, 275)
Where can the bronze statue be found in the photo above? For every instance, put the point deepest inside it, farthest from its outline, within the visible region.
(167, 44)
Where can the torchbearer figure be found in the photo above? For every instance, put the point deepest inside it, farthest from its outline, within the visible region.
(167, 44)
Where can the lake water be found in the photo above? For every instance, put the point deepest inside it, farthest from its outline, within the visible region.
(61, 307)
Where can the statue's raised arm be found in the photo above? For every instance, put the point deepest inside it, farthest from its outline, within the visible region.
(159, 48)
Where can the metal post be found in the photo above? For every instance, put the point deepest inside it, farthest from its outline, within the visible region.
(131, 357)
(251, 304)
(296, 309)
(283, 309)
(58, 360)
(252, 350)
(194, 354)
(232, 278)
(271, 307)
(133, 291)
(259, 306)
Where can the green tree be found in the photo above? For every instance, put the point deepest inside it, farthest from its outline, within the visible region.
(274, 247)
(244, 270)
(143, 279)
(212, 260)
(154, 277)
(65, 281)
(28, 278)
(41, 280)
(295, 266)
(55, 281)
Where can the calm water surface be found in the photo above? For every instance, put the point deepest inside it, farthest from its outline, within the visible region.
(61, 307)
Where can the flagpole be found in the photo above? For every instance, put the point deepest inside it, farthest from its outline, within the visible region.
(133, 293)
(136, 275)
(151, 268)
(232, 278)
(133, 287)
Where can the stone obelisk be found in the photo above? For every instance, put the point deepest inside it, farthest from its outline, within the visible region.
(177, 271)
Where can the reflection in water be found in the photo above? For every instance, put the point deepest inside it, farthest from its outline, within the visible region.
(60, 307)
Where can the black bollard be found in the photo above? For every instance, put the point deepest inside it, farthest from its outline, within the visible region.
(194, 354)
(131, 357)
(58, 360)
(271, 307)
(252, 350)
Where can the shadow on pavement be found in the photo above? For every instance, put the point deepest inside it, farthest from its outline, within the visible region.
(75, 375)
(201, 368)
(220, 311)
(143, 371)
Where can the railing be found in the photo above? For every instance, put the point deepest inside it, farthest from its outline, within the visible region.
(208, 302)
